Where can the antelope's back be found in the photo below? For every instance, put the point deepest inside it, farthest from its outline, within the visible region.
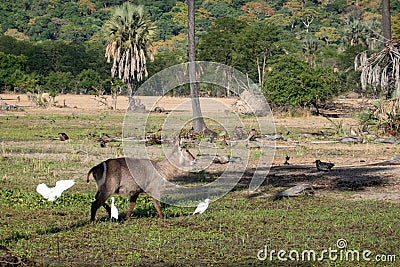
(137, 175)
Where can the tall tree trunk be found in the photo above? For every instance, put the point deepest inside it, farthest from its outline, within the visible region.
(386, 25)
(198, 121)
(133, 103)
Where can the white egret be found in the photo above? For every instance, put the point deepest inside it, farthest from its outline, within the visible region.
(52, 193)
(202, 206)
(114, 210)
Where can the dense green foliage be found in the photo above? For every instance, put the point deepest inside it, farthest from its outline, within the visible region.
(11, 67)
(292, 81)
(68, 36)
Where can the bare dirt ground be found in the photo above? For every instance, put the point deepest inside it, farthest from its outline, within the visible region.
(90, 104)
(305, 139)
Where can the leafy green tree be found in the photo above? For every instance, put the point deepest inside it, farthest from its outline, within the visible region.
(396, 26)
(302, 13)
(57, 56)
(94, 58)
(59, 82)
(292, 82)
(349, 77)
(40, 58)
(129, 36)
(10, 45)
(328, 34)
(281, 20)
(74, 33)
(290, 9)
(335, 7)
(88, 81)
(11, 68)
(117, 87)
(17, 35)
(237, 4)
(216, 44)
(256, 11)
(26, 82)
(167, 28)
(179, 16)
(222, 9)
(307, 16)
(258, 43)
(43, 29)
(165, 59)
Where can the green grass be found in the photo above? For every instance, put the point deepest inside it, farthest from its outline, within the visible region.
(37, 127)
(230, 233)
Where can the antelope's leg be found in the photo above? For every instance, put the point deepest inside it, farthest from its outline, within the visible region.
(157, 205)
(108, 209)
(100, 201)
(132, 203)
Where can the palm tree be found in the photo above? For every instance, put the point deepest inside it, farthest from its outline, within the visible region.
(365, 33)
(310, 47)
(382, 68)
(129, 36)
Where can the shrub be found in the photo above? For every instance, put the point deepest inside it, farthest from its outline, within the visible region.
(292, 82)
(384, 119)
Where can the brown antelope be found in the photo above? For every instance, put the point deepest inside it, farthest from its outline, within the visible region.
(123, 175)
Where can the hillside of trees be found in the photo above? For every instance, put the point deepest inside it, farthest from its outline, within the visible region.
(299, 51)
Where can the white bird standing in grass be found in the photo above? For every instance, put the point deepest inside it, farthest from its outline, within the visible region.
(114, 210)
(202, 206)
(53, 193)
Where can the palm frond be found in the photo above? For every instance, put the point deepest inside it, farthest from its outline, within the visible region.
(381, 69)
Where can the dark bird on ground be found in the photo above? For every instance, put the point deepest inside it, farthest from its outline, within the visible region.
(63, 136)
(323, 166)
(252, 135)
(103, 143)
(158, 110)
(286, 160)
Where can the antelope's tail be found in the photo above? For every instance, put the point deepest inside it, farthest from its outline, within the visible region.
(90, 172)
(102, 166)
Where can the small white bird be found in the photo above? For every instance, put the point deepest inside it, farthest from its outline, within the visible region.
(114, 210)
(53, 193)
(202, 207)
(353, 133)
